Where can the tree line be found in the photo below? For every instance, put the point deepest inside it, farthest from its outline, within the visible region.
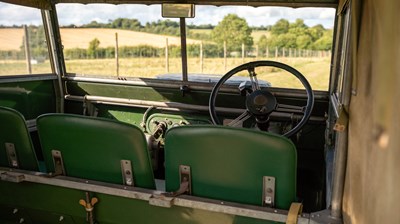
(227, 36)
(235, 31)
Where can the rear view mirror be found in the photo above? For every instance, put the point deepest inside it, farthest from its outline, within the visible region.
(177, 10)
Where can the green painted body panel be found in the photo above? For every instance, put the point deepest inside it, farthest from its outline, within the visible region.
(152, 93)
(229, 163)
(92, 148)
(40, 203)
(30, 98)
(13, 130)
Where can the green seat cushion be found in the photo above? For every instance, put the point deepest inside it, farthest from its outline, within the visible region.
(92, 148)
(13, 130)
(229, 163)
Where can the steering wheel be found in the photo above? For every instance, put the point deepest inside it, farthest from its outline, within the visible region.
(260, 103)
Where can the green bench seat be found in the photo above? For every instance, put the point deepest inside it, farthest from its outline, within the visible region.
(229, 163)
(92, 148)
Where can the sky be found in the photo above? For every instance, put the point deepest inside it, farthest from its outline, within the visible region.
(79, 14)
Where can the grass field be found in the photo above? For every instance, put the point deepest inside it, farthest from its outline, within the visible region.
(316, 70)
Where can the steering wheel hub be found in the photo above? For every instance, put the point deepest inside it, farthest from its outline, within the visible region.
(261, 103)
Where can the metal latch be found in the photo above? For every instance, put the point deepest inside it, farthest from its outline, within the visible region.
(12, 155)
(127, 173)
(58, 163)
(268, 191)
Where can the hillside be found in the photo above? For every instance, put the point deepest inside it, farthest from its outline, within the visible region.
(11, 38)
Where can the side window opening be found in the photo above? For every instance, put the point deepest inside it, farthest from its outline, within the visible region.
(23, 47)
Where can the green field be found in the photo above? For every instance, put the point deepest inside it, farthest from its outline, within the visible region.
(316, 70)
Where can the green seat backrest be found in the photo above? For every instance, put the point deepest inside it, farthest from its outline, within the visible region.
(13, 130)
(92, 148)
(229, 163)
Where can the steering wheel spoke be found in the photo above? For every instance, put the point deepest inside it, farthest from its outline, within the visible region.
(253, 78)
(240, 119)
(290, 108)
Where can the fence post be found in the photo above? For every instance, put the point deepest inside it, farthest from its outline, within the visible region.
(267, 52)
(276, 52)
(256, 51)
(166, 56)
(290, 52)
(27, 50)
(225, 55)
(116, 55)
(283, 52)
(201, 57)
(243, 52)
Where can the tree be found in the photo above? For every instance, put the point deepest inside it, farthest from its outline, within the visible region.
(316, 31)
(127, 24)
(298, 28)
(304, 41)
(280, 27)
(93, 47)
(234, 31)
(325, 42)
(262, 43)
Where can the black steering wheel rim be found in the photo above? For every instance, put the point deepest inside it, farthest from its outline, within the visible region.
(254, 64)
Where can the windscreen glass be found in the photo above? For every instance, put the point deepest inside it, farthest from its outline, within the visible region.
(135, 41)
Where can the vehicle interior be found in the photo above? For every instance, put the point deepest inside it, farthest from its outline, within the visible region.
(176, 125)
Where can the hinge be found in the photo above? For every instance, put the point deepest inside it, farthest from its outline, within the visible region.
(58, 163)
(127, 173)
(268, 199)
(185, 186)
(12, 155)
(186, 178)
